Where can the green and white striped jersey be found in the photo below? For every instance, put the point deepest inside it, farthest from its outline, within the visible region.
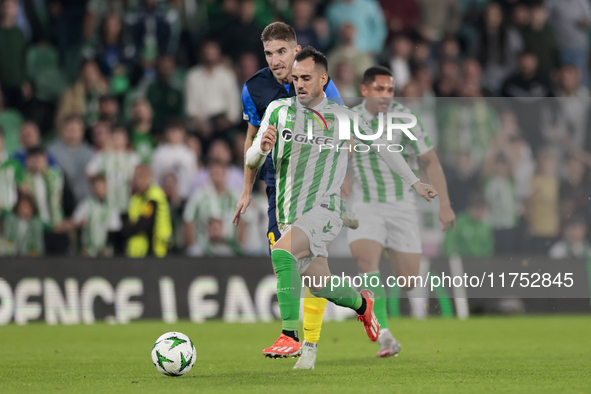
(99, 218)
(11, 175)
(309, 172)
(21, 237)
(46, 188)
(374, 181)
(118, 168)
(204, 204)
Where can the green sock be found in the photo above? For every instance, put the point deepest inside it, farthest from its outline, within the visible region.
(342, 295)
(289, 286)
(379, 305)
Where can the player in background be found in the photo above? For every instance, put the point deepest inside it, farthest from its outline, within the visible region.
(308, 182)
(269, 84)
(386, 207)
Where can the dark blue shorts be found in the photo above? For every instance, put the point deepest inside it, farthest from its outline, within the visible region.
(273, 233)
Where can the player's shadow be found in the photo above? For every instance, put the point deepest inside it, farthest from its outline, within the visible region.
(352, 362)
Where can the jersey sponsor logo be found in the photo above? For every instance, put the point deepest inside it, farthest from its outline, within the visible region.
(313, 140)
(286, 134)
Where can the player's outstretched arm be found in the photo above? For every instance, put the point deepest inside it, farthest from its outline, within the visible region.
(249, 177)
(262, 145)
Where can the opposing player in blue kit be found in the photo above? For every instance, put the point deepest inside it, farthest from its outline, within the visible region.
(269, 84)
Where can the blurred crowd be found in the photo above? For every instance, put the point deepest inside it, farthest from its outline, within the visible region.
(108, 104)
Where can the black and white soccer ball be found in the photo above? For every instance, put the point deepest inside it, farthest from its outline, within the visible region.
(174, 354)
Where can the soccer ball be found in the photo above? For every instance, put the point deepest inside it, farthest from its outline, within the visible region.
(174, 354)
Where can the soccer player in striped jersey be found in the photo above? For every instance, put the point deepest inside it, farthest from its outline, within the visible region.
(385, 206)
(309, 173)
(269, 84)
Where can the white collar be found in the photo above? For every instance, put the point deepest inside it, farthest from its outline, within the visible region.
(318, 107)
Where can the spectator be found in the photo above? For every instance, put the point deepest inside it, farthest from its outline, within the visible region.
(117, 164)
(170, 186)
(499, 192)
(509, 143)
(97, 217)
(573, 188)
(242, 34)
(142, 130)
(543, 205)
(423, 108)
(97, 11)
(539, 39)
(147, 226)
(450, 50)
(303, 16)
(83, 97)
(473, 236)
(424, 78)
(421, 57)
(101, 135)
(72, 155)
(572, 109)
(521, 16)
(344, 80)
(12, 54)
(212, 98)
(67, 17)
(11, 175)
(472, 73)
(462, 181)
(571, 20)
(573, 244)
(109, 109)
(220, 151)
(150, 30)
(402, 16)
(439, 18)
(110, 51)
(347, 52)
(173, 156)
(30, 137)
(166, 101)
(399, 62)
(449, 80)
(467, 124)
(45, 185)
(527, 83)
(496, 47)
(22, 230)
(366, 16)
(248, 65)
(210, 211)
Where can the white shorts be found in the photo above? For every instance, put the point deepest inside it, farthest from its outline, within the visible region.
(321, 226)
(393, 225)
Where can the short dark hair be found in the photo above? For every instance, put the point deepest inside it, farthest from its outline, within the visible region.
(369, 76)
(25, 198)
(35, 151)
(317, 56)
(278, 31)
(72, 118)
(175, 123)
(97, 178)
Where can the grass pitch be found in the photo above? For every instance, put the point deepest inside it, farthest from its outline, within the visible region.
(502, 354)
